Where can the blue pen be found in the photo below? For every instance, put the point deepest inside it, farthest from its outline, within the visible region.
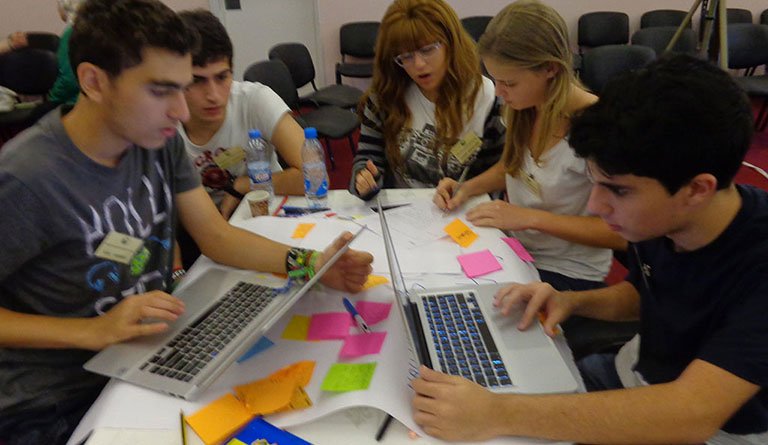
(361, 324)
(290, 210)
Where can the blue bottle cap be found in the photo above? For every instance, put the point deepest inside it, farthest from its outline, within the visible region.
(254, 133)
(310, 133)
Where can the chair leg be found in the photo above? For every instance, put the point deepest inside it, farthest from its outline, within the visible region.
(762, 116)
(330, 153)
(338, 78)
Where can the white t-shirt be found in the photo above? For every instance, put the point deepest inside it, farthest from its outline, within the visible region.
(558, 185)
(251, 105)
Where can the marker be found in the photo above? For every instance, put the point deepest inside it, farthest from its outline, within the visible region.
(183, 429)
(291, 210)
(361, 324)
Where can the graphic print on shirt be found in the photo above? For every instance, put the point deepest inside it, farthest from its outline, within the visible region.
(145, 214)
(214, 176)
(420, 153)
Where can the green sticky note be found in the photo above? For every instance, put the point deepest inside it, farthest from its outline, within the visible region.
(348, 377)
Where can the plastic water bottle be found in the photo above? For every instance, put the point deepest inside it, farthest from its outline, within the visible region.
(315, 175)
(258, 158)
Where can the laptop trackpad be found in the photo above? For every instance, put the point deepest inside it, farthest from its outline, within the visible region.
(513, 338)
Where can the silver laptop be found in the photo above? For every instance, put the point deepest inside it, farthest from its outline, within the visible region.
(458, 331)
(226, 311)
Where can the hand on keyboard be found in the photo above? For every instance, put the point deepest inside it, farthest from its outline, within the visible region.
(125, 320)
(350, 272)
(538, 298)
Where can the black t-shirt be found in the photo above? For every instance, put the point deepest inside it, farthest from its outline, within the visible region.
(709, 304)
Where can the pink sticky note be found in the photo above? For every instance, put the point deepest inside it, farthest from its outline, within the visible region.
(329, 326)
(362, 344)
(373, 312)
(519, 249)
(479, 263)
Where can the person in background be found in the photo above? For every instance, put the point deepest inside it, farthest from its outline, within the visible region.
(663, 164)
(429, 113)
(65, 89)
(112, 169)
(221, 113)
(15, 40)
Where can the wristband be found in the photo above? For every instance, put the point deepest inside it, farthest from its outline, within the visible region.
(177, 274)
(300, 263)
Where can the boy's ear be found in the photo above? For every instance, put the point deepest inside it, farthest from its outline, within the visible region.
(93, 81)
(701, 188)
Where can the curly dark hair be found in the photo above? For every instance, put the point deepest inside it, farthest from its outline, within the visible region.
(112, 34)
(215, 43)
(670, 121)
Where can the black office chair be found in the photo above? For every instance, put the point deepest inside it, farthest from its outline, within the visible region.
(28, 72)
(662, 17)
(358, 40)
(764, 17)
(330, 121)
(657, 38)
(748, 48)
(602, 28)
(599, 65)
(302, 71)
(738, 15)
(475, 25)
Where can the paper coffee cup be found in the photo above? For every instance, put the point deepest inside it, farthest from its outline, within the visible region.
(258, 201)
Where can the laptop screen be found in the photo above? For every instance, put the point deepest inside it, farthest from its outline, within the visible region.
(407, 309)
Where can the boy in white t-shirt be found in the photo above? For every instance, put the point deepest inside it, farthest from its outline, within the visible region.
(221, 113)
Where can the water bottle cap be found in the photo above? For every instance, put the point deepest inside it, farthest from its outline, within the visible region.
(254, 133)
(310, 133)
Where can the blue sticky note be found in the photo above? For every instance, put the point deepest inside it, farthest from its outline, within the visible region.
(262, 344)
(259, 429)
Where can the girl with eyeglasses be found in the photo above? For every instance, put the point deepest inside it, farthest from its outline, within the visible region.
(526, 49)
(429, 113)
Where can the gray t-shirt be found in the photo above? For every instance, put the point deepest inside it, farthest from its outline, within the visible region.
(57, 207)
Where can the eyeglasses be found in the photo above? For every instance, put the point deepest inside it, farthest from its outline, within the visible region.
(425, 52)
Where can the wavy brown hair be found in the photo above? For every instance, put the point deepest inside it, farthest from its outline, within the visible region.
(408, 25)
(531, 35)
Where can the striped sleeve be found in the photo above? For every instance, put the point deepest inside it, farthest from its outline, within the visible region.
(371, 145)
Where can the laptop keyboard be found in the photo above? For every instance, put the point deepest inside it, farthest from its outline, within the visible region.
(462, 340)
(185, 355)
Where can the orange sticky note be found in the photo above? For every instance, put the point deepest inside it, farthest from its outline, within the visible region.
(302, 230)
(300, 372)
(219, 419)
(374, 280)
(461, 233)
(266, 396)
(297, 328)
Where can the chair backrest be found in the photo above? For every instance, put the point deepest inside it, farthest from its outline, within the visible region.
(663, 17)
(764, 17)
(657, 38)
(603, 28)
(29, 71)
(475, 25)
(747, 45)
(43, 40)
(298, 60)
(358, 39)
(738, 15)
(274, 74)
(599, 65)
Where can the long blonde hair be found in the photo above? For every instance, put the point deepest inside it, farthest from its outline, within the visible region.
(408, 25)
(531, 35)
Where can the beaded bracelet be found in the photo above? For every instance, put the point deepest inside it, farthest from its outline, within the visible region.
(300, 263)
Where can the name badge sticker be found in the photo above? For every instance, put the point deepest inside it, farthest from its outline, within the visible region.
(466, 147)
(118, 247)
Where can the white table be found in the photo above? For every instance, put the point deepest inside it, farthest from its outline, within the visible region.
(357, 425)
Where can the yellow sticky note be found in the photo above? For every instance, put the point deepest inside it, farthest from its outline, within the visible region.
(219, 419)
(297, 328)
(300, 372)
(236, 442)
(461, 233)
(302, 230)
(374, 280)
(266, 396)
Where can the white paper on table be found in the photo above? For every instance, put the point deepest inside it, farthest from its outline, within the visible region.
(124, 436)
(280, 229)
